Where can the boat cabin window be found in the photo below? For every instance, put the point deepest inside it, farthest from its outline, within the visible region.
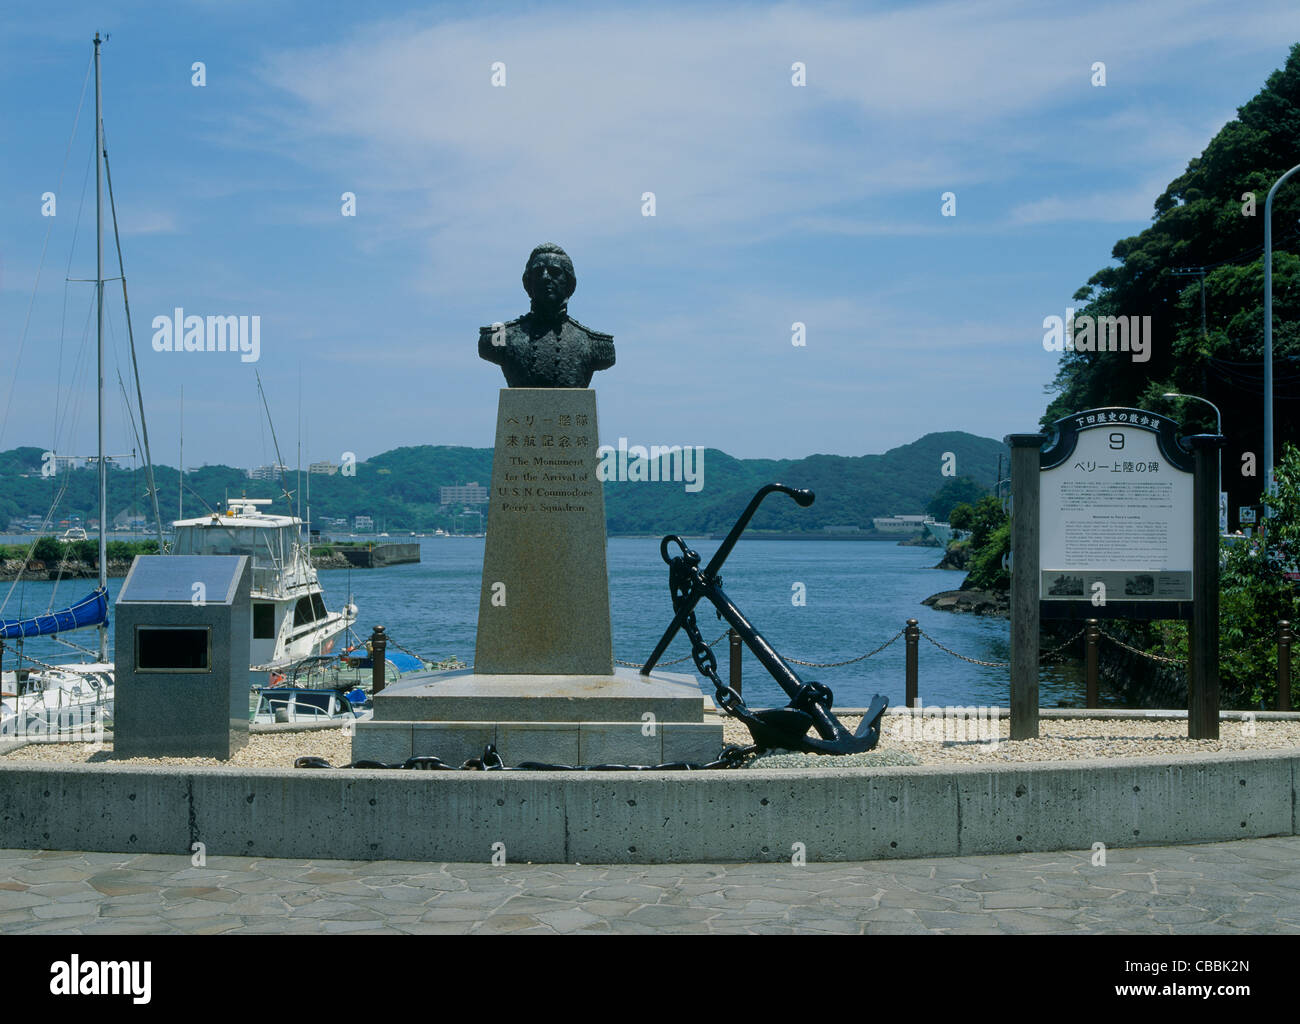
(318, 606)
(265, 546)
(314, 701)
(263, 620)
(303, 613)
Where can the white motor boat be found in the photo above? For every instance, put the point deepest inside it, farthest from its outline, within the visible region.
(290, 620)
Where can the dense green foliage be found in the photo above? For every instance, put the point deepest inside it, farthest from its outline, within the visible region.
(399, 488)
(1204, 219)
(1254, 595)
(989, 542)
(958, 491)
(51, 550)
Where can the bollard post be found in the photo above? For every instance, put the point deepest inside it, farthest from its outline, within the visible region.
(912, 636)
(735, 650)
(1284, 640)
(1091, 635)
(378, 648)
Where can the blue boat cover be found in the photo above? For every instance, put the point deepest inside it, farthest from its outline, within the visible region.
(401, 662)
(91, 610)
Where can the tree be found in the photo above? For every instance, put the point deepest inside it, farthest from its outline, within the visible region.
(990, 542)
(962, 490)
(1211, 216)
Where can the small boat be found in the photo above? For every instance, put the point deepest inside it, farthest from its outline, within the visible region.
(300, 704)
(72, 535)
(51, 703)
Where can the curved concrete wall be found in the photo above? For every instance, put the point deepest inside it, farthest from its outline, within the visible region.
(651, 817)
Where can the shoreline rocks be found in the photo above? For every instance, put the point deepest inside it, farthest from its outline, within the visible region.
(991, 603)
(35, 569)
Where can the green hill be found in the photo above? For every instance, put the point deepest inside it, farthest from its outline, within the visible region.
(399, 488)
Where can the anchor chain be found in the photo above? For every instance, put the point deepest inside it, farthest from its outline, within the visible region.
(732, 756)
(706, 663)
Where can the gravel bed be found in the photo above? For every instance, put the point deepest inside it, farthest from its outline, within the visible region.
(264, 750)
(905, 741)
(971, 742)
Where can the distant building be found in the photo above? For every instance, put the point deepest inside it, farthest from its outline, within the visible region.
(129, 521)
(363, 524)
(267, 472)
(323, 468)
(901, 524)
(471, 493)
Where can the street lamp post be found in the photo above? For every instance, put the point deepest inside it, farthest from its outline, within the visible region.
(1218, 416)
(1268, 330)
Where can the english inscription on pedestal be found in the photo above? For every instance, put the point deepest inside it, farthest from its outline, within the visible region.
(544, 606)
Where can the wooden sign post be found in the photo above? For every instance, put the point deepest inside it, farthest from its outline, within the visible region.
(1024, 583)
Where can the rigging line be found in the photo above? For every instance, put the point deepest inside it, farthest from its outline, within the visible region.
(284, 482)
(67, 278)
(126, 407)
(61, 404)
(203, 502)
(45, 524)
(130, 334)
(49, 228)
(80, 367)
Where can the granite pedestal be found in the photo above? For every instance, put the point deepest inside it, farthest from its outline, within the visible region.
(544, 687)
(621, 718)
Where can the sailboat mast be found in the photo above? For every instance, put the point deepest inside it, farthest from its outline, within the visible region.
(180, 496)
(99, 290)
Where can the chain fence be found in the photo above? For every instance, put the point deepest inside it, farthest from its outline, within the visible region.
(675, 661)
(1057, 652)
(1145, 654)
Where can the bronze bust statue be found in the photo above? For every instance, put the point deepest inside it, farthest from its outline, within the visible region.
(547, 348)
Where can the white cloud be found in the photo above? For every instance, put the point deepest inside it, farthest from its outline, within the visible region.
(696, 105)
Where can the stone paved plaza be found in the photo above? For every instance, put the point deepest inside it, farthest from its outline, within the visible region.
(1248, 886)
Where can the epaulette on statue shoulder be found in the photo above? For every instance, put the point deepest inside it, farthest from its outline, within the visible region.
(508, 323)
(595, 334)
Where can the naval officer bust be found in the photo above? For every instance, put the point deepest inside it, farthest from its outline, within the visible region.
(547, 348)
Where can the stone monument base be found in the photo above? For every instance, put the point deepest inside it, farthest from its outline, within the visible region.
(622, 718)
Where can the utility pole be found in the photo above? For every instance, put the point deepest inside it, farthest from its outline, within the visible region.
(1196, 272)
(1268, 331)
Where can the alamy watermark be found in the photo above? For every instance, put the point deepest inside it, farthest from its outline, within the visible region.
(949, 725)
(1098, 334)
(658, 463)
(71, 724)
(181, 333)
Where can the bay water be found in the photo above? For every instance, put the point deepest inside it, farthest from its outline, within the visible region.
(856, 595)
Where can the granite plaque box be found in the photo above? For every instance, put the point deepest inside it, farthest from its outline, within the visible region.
(182, 637)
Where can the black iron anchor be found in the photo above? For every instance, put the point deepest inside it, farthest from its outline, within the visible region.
(810, 703)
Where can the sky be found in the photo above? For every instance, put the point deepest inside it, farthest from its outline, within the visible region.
(468, 134)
